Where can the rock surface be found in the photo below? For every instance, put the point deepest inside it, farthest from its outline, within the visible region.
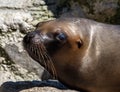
(17, 17)
(107, 11)
(34, 86)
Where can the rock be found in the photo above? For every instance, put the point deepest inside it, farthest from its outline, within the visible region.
(34, 86)
(107, 11)
(23, 59)
(75, 11)
(16, 4)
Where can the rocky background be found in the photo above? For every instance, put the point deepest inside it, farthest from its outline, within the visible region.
(18, 72)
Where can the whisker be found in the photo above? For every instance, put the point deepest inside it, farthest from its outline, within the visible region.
(40, 55)
(48, 59)
(52, 66)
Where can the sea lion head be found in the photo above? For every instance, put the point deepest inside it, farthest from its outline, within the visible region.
(56, 45)
(78, 52)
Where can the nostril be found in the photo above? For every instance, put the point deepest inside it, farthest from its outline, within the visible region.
(28, 37)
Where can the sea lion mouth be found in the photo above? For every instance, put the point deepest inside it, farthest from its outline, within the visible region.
(34, 43)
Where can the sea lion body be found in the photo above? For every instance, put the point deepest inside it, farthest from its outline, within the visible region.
(85, 54)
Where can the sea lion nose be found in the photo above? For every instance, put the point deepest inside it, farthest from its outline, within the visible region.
(28, 37)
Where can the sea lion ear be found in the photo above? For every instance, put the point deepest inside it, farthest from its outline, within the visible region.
(79, 43)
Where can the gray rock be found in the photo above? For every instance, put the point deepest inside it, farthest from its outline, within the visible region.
(11, 20)
(24, 60)
(16, 19)
(15, 3)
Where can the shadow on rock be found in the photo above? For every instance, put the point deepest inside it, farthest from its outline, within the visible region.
(22, 85)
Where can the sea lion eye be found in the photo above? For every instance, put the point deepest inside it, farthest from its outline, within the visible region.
(61, 37)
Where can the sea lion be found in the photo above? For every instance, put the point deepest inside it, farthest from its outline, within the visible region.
(81, 53)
